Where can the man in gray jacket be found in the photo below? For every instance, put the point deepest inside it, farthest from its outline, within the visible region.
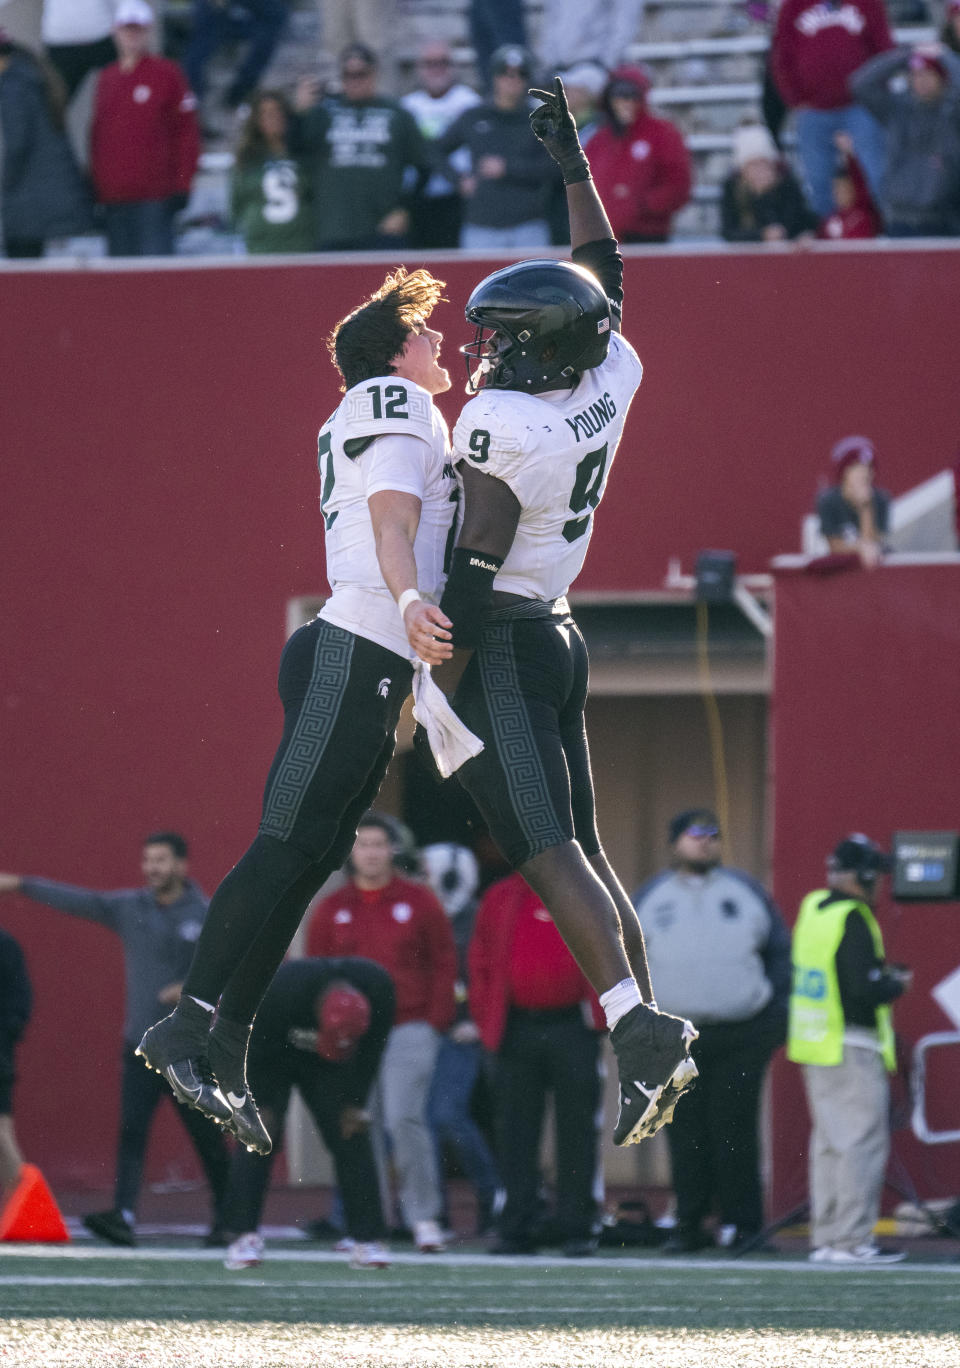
(158, 926)
(719, 954)
(921, 185)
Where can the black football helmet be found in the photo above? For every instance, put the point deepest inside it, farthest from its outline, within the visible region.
(540, 325)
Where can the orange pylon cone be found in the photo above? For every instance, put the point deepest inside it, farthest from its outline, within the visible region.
(31, 1213)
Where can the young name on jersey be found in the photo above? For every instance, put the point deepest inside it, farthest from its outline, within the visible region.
(555, 452)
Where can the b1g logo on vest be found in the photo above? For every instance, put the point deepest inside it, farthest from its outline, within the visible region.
(809, 983)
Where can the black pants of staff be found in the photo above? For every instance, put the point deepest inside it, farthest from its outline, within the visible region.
(714, 1144)
(553, 1051)
(141, 1091)
(271, 1081)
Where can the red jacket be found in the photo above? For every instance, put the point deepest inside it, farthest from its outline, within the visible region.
(504, 909)
(816, 47)
(861, 220)
(405, 929)
(642, 174)
(144, 140)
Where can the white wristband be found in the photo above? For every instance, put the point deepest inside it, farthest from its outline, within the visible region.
(406, 598)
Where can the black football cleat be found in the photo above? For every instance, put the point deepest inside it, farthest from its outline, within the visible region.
(112, 1226)
(177, 1048)
(228, 1059)
(655, 1068)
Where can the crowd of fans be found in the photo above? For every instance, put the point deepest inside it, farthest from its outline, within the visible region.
(343, 162)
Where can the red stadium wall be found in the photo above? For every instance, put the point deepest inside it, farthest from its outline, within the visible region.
(865, 725)
(160, 508)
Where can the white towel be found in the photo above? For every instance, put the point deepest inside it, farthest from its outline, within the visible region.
(450, 741)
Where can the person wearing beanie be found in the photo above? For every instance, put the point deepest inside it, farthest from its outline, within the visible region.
(854, 514)
(920, 192)
(640, 163)
(719, 954)
(322, 1029)
(762, 200)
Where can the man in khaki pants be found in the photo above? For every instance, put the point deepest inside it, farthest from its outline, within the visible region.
(841, 1031)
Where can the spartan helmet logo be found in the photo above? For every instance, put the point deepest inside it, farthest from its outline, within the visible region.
(383, 688)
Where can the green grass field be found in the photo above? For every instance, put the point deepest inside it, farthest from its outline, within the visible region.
(85, 1306)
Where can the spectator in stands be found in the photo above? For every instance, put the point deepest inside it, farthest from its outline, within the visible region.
(854, 213)
(144, 142)
(452, 872)
(507, 189)
(16, 999)
(854, 514)
(640, 163)
(42, 194)
(495, 24)
(437, 101)
(257, 23)
(271, 196)
(920, 194)
(399, 924)
(368, 159)
(540, 1019)
(157, 926)
(950, 31)
(571, 31)
(360, 23)
(720, 954)
(321, 1029)
(816, 49)
(762, 199)
(584, 84)
(77, 38)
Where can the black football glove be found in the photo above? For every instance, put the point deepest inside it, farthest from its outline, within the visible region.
(556, 128)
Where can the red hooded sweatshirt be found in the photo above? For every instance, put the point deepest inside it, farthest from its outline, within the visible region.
(818, 44)
(642, 173)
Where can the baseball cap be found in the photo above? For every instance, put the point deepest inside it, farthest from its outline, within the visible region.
(698, 821)
(857, 854)
(511, 57)
(343, 1016)
(852, 451)
(136, 12)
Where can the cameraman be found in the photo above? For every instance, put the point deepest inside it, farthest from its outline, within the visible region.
(841, 1031)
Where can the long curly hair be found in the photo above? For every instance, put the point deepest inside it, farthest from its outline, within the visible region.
(364, 343)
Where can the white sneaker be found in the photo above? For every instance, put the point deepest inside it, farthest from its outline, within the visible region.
(246, 1252)
(428, 1237)
(345, 1245)
(869, 1254)
(372, 1255)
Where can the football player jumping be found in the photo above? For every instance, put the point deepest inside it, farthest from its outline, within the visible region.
(553, 381)
(388, 499)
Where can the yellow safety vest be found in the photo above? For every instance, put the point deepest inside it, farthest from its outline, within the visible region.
(816, 1023)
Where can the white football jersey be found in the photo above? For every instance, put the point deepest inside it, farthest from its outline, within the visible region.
(385, 435)
(555, 451)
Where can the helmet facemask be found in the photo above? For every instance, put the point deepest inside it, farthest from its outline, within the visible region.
(488, 359)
